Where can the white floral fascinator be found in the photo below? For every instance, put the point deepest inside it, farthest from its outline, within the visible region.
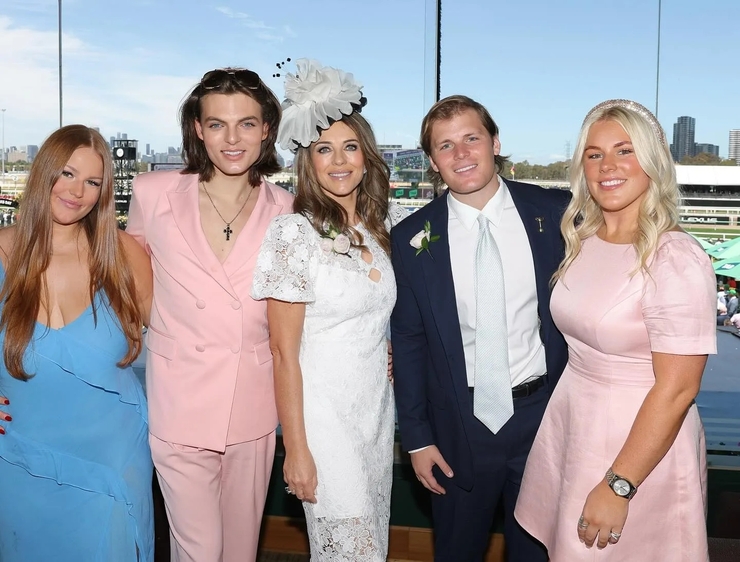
(315, 97)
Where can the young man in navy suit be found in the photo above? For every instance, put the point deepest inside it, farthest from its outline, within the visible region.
(445, 348)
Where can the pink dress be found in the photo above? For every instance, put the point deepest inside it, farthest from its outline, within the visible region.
(612, 322)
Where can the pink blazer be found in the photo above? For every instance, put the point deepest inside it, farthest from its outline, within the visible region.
(209, 366)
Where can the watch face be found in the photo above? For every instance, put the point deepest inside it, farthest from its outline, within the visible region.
(621, 487)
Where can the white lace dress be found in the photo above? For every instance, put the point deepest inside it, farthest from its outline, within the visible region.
(347, 398)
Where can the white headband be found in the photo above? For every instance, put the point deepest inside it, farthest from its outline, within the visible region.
(634, 107)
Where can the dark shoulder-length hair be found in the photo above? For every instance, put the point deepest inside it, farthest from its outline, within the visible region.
(229, 81)
(448, 108)
(25, 287)
(372, 193)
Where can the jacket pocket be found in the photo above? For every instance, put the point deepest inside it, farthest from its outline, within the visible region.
(262, 352)
(159, 344)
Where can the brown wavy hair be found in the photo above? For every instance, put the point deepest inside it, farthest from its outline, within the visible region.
(448, 108)
(372, 193)
(25, 288)
(194, 150)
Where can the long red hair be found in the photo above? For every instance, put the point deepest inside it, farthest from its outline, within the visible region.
(25, 288)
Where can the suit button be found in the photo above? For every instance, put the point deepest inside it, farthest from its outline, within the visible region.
(236, 305)
(235, 349)
(200, 304)
(200, 347)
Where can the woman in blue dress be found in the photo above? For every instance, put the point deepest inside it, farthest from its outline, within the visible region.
(75, 467)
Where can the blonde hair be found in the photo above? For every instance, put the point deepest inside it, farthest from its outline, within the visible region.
(658, 211)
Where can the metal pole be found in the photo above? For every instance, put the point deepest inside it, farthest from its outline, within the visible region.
(3, 157)
(60, 62)
(657, 64)
(438, 68)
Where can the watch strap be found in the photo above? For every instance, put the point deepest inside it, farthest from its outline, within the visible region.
(611, 478)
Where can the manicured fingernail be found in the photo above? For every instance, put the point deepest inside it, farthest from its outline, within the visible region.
(2, 431)
(8, 418)
(6, 401)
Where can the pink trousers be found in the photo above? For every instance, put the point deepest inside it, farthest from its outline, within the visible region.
(214, 501)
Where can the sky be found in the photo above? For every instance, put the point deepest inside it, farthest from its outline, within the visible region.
(537, 65)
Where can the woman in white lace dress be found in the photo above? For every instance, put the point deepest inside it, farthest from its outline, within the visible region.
(330, 285)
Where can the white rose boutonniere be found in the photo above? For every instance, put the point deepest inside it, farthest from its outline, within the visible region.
(326, 244)
(416, 240)
(335, 241)
(341, 244)
(423, 238)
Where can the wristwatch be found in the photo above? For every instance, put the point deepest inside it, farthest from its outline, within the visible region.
(620, 485)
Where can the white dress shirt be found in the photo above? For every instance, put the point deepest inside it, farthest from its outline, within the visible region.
(526, 351)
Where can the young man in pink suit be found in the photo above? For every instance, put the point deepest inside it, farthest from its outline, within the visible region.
(212, 409)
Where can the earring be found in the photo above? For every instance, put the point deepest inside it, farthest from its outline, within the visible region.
(364, 170)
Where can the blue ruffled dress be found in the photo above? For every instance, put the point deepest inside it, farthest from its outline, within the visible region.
(75, 466)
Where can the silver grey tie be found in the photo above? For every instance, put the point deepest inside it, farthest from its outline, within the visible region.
(492, 401)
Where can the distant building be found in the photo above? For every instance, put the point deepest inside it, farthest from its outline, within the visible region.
(683, 138)
(406, 165)
(701, 147)
(22, 154)
(15, 155)
(735, 145)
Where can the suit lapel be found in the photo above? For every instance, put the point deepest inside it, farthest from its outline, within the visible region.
(539, 226)
(250, 238)
(437, 269)
(186, 213)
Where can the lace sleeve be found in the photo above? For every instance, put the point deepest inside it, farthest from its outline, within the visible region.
(396, 214)
(282, 270)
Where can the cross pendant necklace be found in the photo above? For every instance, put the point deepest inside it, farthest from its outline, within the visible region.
(228, 230)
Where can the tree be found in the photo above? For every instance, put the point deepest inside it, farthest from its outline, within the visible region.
(526, 171)
(706, 159)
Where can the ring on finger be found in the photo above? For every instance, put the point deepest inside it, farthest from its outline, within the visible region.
(614, 537)
(581, 523)
(288, 490)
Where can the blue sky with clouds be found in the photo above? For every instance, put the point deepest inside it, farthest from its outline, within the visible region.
(538, 65)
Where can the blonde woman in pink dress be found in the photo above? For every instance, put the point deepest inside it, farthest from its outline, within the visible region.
(618, 468)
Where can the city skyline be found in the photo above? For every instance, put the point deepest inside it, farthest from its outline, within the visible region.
(538, 66)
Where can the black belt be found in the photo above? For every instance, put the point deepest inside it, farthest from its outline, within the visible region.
(526, 388)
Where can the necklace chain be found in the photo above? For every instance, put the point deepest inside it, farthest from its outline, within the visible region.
(228, 229)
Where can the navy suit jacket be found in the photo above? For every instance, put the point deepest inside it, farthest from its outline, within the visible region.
(431, 385)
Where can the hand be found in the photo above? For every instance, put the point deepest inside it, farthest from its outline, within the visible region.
(390, 362)
(299, 473)
(423, 461)
(605, 513)
(3, 415)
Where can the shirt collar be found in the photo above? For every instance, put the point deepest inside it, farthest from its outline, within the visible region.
(493, 210)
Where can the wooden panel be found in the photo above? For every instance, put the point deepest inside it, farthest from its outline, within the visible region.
(283, 534)
(406, 544)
